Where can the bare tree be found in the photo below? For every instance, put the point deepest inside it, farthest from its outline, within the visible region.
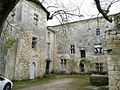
(62, 12)
(105, 12)
(6, 6)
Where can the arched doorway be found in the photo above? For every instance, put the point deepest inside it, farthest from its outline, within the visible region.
(32, 70)
(82, 68)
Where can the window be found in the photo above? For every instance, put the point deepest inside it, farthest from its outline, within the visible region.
(48, 50)
(48, 35)
(36, 18)
(97, 31)
(99, 67)
(83, 55)
(63, 63)
(34, 42)
(72, 49)
(98, 49)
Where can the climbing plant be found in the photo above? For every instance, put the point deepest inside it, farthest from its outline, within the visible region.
(72, 65)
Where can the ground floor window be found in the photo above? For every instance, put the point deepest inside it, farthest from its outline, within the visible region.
(63, 63)
(99, 67)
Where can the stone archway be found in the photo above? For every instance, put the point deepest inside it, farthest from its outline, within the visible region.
(32, 70)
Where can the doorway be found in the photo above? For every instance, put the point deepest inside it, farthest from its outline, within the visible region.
(82, 69)
(47, 67)
(32, 70)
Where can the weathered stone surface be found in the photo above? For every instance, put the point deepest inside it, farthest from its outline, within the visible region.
(113, 43)
(83, 35)
(22, 56)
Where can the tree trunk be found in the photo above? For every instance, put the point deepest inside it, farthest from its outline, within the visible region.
(6, 6)
(104, 13)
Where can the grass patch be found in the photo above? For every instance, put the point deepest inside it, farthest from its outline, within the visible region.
(79, 81)
(26, 83)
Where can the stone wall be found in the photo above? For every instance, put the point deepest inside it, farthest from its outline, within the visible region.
(113, 54)
(51, 40)
(83, 35)
(22, 56)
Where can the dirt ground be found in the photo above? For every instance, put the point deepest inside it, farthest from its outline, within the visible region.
(62, 84)
(53, 85)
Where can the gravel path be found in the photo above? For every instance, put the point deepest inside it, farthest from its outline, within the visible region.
(62, 84)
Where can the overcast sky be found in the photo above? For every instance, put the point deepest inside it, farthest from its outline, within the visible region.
(88, 8)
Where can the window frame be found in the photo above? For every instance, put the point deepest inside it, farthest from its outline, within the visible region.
(63, 63)
(99, 67)
(72, 49)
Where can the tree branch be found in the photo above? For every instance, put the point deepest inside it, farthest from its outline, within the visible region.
(104, 13)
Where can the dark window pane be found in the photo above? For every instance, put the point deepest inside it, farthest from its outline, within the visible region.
(34, 42)
(83, 55)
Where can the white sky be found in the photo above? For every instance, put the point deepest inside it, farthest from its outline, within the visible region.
(88, 8)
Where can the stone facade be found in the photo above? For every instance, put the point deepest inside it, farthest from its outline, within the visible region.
(27, 58)
(51, 47)
(86, 37)
(70, 48)
(113, 54)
